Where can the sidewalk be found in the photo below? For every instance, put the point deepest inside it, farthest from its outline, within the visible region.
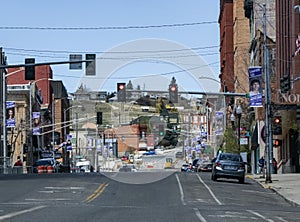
(286, 185)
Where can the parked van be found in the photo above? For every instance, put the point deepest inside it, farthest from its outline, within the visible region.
(84, 166)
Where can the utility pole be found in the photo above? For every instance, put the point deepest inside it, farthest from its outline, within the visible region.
(3, 106)
(268, 148)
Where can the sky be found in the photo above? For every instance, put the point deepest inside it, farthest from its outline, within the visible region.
(147, 42)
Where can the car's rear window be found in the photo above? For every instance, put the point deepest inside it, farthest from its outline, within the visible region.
(230, 157)
(41, 163)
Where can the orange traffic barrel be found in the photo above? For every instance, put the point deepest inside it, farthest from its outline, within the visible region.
(50, 169)
(45, 169)
(40, 169)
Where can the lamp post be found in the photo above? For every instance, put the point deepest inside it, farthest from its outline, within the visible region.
(239, 114)
(30, 112)
(4, 115)
(232, 119)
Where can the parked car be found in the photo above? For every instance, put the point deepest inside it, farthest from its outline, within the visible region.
(128, 168)
(205, 166)
(196, 163)
(148, 153)
(228, 165)
(124, 158)
(46, 162)
(185, 167)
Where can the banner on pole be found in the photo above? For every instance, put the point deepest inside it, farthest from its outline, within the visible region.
(255, 81)
(10, 114)
(36, 123)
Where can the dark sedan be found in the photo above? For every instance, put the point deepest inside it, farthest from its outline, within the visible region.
(205, 166)
(228, 165)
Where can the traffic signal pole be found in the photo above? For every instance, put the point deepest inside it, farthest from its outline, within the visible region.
(269, 142)
(3, 68)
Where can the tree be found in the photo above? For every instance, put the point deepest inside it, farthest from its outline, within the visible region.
(231, 141)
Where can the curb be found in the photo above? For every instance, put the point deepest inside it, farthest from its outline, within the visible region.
(266, 186)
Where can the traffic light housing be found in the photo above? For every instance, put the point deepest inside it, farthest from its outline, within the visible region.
(173, 93)
(277, 142)
(99, 118)
(29, 70)
(277, 125)
(285, 84)
(161, 130)
(90, 66)
(121, 89)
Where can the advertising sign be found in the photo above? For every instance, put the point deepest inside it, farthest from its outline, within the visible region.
(219, 119)
(255, 81)
(10, 114)
(36, 123)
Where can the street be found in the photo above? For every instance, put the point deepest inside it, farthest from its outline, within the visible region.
(151, 196)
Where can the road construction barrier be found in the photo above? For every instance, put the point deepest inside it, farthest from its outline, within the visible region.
(40, 169)
(49, 169)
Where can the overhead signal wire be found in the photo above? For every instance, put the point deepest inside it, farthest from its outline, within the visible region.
(106, 27)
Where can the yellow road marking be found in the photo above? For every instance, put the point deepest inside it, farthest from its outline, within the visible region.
(96, 193)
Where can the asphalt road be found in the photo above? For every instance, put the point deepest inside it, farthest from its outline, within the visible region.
(142, 196)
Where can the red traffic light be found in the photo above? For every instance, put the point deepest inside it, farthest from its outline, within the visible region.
(277, 142)
(121, 86)
(173, 88)
(277, 120)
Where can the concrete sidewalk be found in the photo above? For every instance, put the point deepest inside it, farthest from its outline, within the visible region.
(286, 185)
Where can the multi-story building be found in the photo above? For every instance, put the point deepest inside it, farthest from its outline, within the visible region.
(288, 66)
(34, 98)
(226, 45)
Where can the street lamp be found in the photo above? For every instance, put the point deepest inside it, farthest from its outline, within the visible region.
(232, 119)
(239, 114)
(4, 115)
(30, 112)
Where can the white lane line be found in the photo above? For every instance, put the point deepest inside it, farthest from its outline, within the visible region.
(10, 215)
(198, 214)
(210, 191)
(47, 199)
(181, 190)
(259, 215)
(65, 188)
(281, 219)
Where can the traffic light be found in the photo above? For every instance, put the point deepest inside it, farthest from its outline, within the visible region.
(99, 118)
(90, 67)
(121, 92)
(173, 93)
(277, 142)
(277, 128)
(29, 70)
(285, 84)
(161, 130)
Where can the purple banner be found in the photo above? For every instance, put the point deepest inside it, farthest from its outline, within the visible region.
(255, 81)
(219, 119)
(36, 123)
(10, 114)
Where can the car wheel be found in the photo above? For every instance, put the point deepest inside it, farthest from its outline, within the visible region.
(242, 180)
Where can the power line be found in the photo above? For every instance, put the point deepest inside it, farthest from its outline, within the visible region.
(109, 52)
(105, 27)
(146, 75)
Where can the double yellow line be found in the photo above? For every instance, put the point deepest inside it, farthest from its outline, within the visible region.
(97, 193)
